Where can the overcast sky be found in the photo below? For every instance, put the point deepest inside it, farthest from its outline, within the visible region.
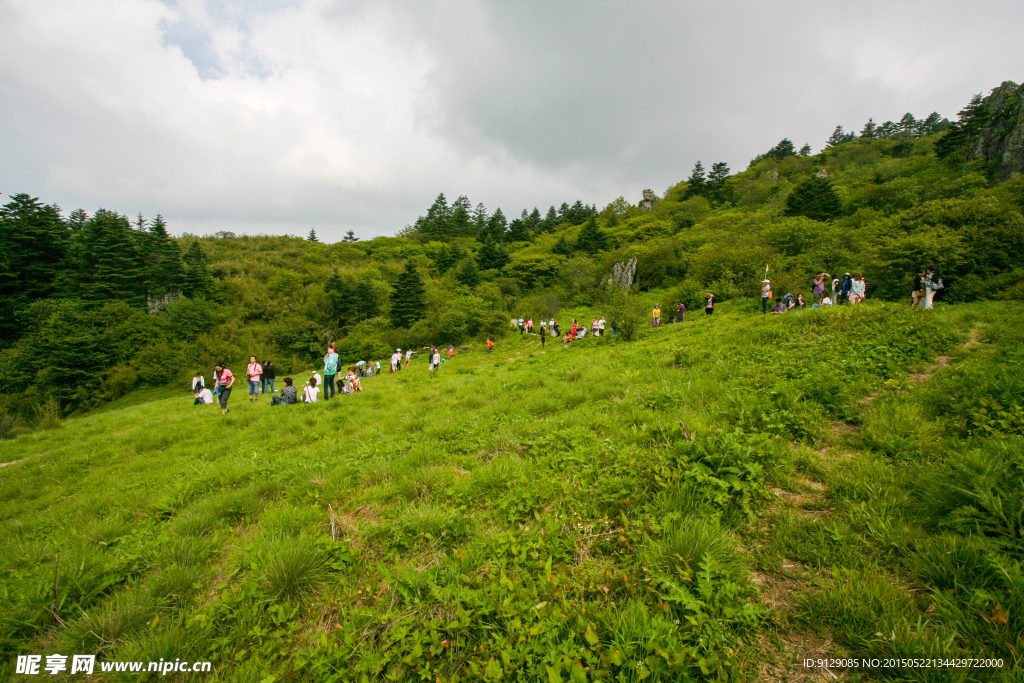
(275, 116)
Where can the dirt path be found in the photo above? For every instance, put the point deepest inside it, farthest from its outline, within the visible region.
(780, 589)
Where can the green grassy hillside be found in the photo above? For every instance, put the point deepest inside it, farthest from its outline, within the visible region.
(715, 501)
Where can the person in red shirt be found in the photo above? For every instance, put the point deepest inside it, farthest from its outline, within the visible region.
(225, 378)
(490, 345)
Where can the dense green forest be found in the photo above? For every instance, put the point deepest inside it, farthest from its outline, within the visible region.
(93, 306)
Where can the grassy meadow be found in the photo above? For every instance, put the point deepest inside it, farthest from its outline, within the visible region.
(717, 500)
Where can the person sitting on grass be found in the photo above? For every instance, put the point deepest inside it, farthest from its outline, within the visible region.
(311, 392)
(204, 397)
(353, 378)
(289, 394)
(779, 307)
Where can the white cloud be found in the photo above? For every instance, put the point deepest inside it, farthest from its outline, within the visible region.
(281, 115)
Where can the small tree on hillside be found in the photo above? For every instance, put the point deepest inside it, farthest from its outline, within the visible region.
(467, 273)
(839, 136)
(591, 238)
(870, 130)
(696, 181)
(407, 297)
(350, 237)
(815, 198)
(805, 151)
(312, 235)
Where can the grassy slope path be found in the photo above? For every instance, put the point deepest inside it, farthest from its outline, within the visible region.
(533, 512)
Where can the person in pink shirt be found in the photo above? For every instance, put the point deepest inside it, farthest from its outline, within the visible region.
(225, 378)
(252, 373)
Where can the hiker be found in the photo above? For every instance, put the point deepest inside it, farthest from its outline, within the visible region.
(835, 290)
(396, 360)
(520, 326)
(709, 308)
(451, 347)
(575, 328)
(529, 325)
(436, 359)
(766, 294)
(269, 374)
(657, 315)
(600, 325)
(543, 333)
(352, 379)
(216, 380)
(330, 370)
(779, 307)
(408, 356)
(198, 383)
(252, 373)
(311, 393)
(225, 380)
(844, 291)
(582, 332)
(203, 397)
(857, 289)
(680, 312)
(818, 288)
(788, 301)
(827, 301)
(800, 303)
(289, 394)
(918, 294)
(490, 345)
(593, 327)
(932, 284)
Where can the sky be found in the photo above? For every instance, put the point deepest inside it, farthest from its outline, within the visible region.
(278, 116)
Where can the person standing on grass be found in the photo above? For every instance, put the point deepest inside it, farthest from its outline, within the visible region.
(857, 289)
(311, 393)
(766, 294)
(269, 375)
(490, 345)
(437, 359)
(554, 327)
(844, 290)
(818, 289)
(252, 373)
(451, 350)
(330, 370)
(918, 291)
(225, 380)
(600, 325)
(709, 307)
(543, 333)
(396, 360)
(680, 312)
(289, 394)
(657, 315)
(408, 356)
(932, 283)
(198, 383)
(575, 328)
(835, 290)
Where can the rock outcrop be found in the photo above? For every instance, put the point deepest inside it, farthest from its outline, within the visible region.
(647, 203)
(1000, 140)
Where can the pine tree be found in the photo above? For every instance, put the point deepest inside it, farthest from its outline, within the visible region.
(366, 299)
(838, 137)
(696, 181)
(436, 224)
(342, 297)
(908, 124)
(591, 238)
(496, 226)
(312, 235)
(562, 247)
(969, 123)
(467, 274)
(716, 180)
(782, 150)
(34, 250)
(887, 130)
(563, 213)
(109, 266)
(805, 151)
(517, 230)
(479, 219)
(815, 198)
(77, 219)
(447, 257)
(198, 283)
(534, 221)
(492, 255)
(350, 237)
(550, 220)
(165, 271)
(870, 130)
(407, 299)
(460, 222)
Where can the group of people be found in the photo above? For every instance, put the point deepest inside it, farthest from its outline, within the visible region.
(852, 289)
(709, 308)
(926, 283)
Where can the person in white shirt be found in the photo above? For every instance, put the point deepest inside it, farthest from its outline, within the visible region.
(316, 376)
(311, 394)
(396, 360)
(600, 326)
(203, 397)
(198, 383)
(408, 357)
